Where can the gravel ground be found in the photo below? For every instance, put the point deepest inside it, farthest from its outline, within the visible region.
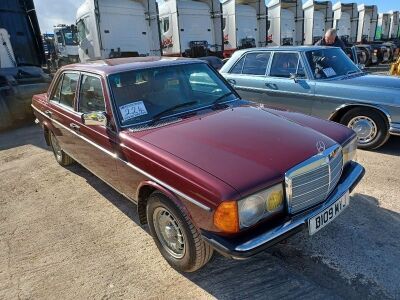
(64, 234)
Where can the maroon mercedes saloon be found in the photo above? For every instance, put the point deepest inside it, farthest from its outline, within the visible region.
(207, 169)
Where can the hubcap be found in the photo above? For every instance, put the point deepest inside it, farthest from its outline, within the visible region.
(56, 147)
(365, 128)
(168, 232)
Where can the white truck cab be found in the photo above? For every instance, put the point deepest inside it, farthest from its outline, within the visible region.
(245, 25)
(382, 30)
(317, 19)
(66, 44)
(286, 22)
(7, 58)
(117, 28)
(367, 22)
(394, 24)
(345, 20)
(191, 28)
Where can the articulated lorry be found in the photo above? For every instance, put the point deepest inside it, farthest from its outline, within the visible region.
(191, 28)
(245, 25)
(286, 22)
(117, 28)
(367, 22)
(345, 20)
(317, 19)
(21, 60)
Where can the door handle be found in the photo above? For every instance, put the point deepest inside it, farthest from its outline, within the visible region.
(232, 81)
(272, 86)
(74, 126)
(48, 113)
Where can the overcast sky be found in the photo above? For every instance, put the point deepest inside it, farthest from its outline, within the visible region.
(53, 12)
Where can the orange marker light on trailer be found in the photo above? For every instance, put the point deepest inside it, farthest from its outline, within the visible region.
(226, 217)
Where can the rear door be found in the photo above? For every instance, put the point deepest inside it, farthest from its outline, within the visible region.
(281, 91)
(62, 113)
(247, 76)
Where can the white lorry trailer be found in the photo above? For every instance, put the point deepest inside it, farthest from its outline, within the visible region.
(382, 30)
(394, 24)
(367, 22)
(286, 22)
(245, 25)
(117, 28)
(191, 28)
(345, 20)
(317, 19)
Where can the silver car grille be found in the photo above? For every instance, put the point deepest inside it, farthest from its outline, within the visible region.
(311, 182)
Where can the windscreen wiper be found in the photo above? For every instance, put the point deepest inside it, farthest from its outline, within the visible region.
(158, 116)
(221, 97)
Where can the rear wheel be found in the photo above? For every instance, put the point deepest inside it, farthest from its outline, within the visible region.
(370, 125)
(61, 157)
(176, 237)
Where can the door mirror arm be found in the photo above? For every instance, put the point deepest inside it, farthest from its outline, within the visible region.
(294, 76)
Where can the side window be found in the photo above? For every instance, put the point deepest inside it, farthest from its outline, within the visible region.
(237, 68)
(256, 63)
(91, 96)
(284, 64)
(57, 89)
(68, 89)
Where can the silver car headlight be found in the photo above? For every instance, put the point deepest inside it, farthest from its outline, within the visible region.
(350, 151)
(258, 206)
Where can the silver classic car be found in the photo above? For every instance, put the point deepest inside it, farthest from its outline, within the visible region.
(319, 81)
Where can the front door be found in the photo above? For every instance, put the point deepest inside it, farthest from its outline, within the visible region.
(98, 150)
(282, 90)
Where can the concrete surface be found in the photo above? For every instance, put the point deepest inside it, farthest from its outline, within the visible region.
(64, 234)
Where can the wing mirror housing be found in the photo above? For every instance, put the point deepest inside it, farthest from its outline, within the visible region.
(295, 77)
(96, 118)
(361, 66)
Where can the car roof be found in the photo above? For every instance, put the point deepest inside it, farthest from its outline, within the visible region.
(117, 65)
(287, 48)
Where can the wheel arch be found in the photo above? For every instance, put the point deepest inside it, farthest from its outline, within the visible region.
(145, 189)
(343, 109)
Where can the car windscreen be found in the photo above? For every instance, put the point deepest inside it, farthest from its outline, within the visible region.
(330, 63)
(142, 95)
(70, 37)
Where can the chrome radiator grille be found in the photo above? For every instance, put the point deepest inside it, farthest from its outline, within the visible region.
(312, 181)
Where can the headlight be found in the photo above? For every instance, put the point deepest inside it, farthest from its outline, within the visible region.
(350, 151)
(256, 207)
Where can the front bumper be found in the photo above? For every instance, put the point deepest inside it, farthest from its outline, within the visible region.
(252, 243)
(394, 128)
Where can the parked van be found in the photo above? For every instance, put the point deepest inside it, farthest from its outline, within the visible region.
(286, 22)
(317, 19)
(191, 28)
(245, 25)
(117, 28)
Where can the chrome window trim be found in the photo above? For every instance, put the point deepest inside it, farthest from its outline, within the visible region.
(114, 155)
(317, 160)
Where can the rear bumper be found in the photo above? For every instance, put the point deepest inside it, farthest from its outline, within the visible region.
(394, 128)
(252, 243)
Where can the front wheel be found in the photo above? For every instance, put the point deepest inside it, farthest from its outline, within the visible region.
(176, 237)
(371, 127)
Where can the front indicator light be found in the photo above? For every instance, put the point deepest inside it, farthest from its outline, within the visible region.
(226, 217)
(350, 151)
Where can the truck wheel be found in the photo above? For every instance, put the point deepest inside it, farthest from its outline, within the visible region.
(176, 237)
(371, 127)
(61, 157)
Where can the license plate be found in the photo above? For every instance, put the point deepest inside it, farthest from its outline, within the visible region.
(325, 217)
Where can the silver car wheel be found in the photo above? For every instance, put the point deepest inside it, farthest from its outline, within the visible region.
(56, 147)
(365, 128)
(169, 232)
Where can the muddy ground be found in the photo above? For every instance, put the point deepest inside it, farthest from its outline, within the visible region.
(64, 234)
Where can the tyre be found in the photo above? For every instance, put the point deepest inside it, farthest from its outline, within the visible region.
(369, 124)
(176, 237)
(61, 157)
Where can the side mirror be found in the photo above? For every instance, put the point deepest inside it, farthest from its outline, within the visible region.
(294, 76)
(361, 66)
(97, 118)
